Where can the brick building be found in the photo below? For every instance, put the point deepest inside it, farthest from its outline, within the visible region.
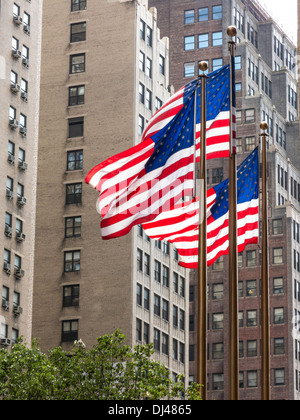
(266, 86)
(104, 73)
(20, 32)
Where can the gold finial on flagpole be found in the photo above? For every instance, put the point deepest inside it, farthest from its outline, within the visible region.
(231, 31)
(203, 66)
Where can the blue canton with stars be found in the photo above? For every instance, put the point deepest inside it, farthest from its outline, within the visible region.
(247, 186)
(179, 133)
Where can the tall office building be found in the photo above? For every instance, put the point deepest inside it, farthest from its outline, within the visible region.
(104, 73)
(266, 86)
(20, 32)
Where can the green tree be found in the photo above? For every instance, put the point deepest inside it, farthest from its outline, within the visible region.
(111, 370)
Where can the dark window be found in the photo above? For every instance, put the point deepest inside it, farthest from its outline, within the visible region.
(76, 127)
(78, 32)
(74, 160)
(78, 5)
(71, 261)
(77, 63)
(69, 331)
(71, 296)
(74, 193)
(73, 227)
(76, 95)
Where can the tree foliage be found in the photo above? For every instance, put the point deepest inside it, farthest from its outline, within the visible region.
(111, 370)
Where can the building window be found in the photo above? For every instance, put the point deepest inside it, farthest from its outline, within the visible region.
(71, 261)
(249, 144)
(149, 68)
(252, 318)
(147, 264)
(277, 227)
(217, 175)
(218, 321)
(141, 93)
(278, 286)
(142, 30)
(218, 291)
(203, 14)
(74, 160)
(157, 271)
(71, 296)
(77, 63)
(162, 65)
(277, 255)
(249, 116)
(139, 292)
(76, 95)
(148, 99)
(189, 69)
(156, 340)
(73, 227)
(218, 351)
(76, 126)
(238, 63)
(218, 381)
(189, 16)
(279, 377)
(252, 379)
(189, 43)
(149, 36)
(142, 61)
(251, 287)
(279, 346)
(217, 39)
(203, 41)
(217, 12)
(141, 125)
(217, 63)
(140, 260)
(69, 331)
(165, 276)
(74, 193)
(78, 32)
(278, 316)
(147, 299)
(77, 5)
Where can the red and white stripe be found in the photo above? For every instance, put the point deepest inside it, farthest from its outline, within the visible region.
(180, 226)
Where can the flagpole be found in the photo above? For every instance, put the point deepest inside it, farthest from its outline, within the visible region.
(233, 254)
(265, 316)
(202, 258)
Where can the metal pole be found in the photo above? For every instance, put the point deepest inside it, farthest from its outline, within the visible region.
(233, 254)
(265, 316)
(202, 258)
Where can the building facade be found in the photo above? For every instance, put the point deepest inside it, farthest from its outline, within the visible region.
(102, 78)
(266, 87)
(20, 32)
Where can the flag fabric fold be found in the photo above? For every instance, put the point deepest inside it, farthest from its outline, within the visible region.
(138, 184)
(180, 225)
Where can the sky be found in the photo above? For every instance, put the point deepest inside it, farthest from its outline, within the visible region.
(284, 12)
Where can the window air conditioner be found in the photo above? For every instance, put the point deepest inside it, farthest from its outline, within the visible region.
(21, 201)
(5, 342)
(13, 123)
(23, 131)
(19, 273)
(24, 96)
(8, 231)
(25, 62)
(17, 310)
(11, 159)
(9, 194)
(23, 165)
(15, 88)
(18, 20)
(20, 237)
(27, 29)
(5, 304)
(6, 267)
(16, 54)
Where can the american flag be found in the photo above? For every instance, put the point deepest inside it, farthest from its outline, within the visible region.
(138, 184)
(180, 225)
